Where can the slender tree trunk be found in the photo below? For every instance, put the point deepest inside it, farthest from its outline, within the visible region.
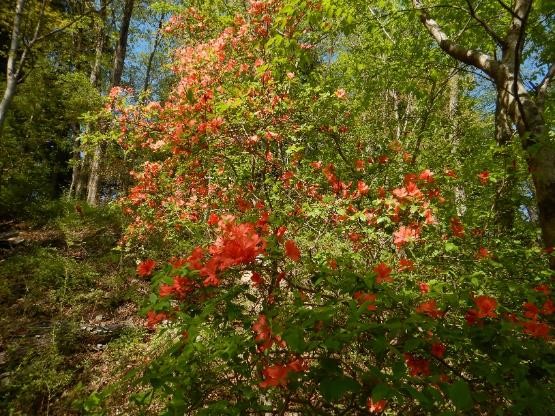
(81, 181)
(76, 160)
(78, 166)
(12, 71)
(157, 40)
(94, 176)
(503, 204)
(119, 60)
(121, 48)
(454, 133)
(99, 48)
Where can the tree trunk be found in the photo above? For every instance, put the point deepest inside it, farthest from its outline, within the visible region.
(541, 160)
(157, 40)
(76, 160)
(503, 203)
(99, 49)
(12, 73)
(121, 48)
(81, 181)
(77, 179)
(94, 176)
(119, 60)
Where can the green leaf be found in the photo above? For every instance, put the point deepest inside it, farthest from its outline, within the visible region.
(381, 391)
(294, 337)
(450, 247)
(335, 388)
(459, 393)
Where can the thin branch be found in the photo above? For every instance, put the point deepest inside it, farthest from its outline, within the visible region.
(381, 25)
(486, 27)
(71, 23)
(28, 45)
(507, 8)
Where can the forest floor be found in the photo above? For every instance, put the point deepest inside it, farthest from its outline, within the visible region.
(69, 321)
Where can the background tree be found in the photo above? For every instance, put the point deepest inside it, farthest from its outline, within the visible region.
(525, 107)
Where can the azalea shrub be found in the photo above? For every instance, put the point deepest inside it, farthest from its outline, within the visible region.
(301, 266)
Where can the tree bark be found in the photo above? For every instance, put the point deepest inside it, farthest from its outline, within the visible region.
(524, 111)
(12, 72)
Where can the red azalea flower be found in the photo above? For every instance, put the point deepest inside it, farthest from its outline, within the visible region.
(275, 375)
(424, 287)
(484, 177)
(362, 188)
(292, 251)
(483, 253)
(178, 262)
(486, 306)
(430, 308)
(531, 310)
(406, 265)
(471, 316)
(383, 272)
(404, 235)
(457, 227)
(535, 329)
(256, 278)
(376, 407)
(280, 231)
(165, 290)
(438, 349)
(153, 318)
(417, 366)
(316, 165)
(548, 307)
(145, 268)
(426, 176)
(363, 297)
(263, 333)
(213, 219)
